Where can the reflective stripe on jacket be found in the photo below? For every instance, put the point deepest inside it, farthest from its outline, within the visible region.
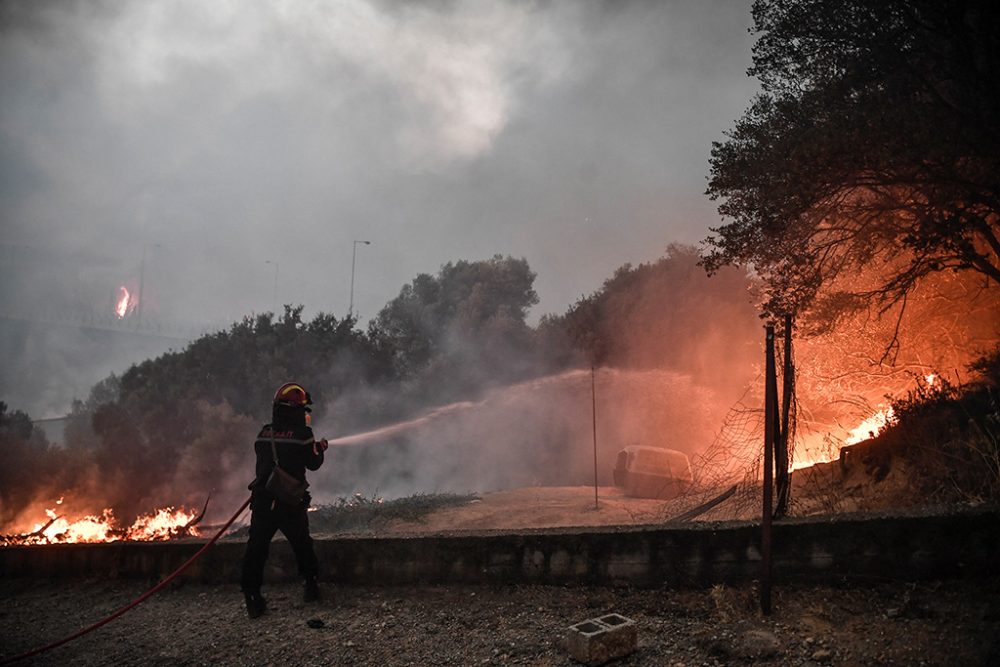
(296, 453)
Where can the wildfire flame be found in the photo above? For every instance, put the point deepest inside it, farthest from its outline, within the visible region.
(813, 450)
(126, 303)
(817, 448)
(87, 529)
(162, 524)
(869, 427)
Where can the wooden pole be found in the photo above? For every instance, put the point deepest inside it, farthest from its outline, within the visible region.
(593, 412)
(770, 412)
(782, 453)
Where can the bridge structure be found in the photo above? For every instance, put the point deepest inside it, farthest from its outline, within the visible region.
(97, 334)
(93, 320)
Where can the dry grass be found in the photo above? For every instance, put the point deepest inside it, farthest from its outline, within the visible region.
(359, 512)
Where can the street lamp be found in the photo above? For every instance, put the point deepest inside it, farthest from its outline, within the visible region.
(354, 253)
(274, 293)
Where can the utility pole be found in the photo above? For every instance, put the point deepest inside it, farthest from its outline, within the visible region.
(770, 414)
(783, 476)
(593, 412)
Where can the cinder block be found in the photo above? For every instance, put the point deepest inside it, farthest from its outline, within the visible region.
(598, 640)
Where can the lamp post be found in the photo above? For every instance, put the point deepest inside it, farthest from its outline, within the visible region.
(274, 292)
(354, 254)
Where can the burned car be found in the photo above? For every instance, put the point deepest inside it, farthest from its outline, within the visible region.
(652, 472)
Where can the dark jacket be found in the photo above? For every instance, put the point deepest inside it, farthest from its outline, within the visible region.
(297, 452)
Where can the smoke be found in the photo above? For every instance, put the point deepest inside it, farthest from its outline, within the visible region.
(241, 148)
(535, 433)
(454, 70)
(220, 159)
(57, 362)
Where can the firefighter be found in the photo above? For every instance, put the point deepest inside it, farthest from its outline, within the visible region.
(290, 436)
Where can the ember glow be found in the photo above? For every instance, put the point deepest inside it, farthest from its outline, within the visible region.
(163, 524)
(126, 303)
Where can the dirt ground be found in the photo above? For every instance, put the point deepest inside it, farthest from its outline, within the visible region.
(537, 507)
(935, 623)
(821, 491)
(884, 623)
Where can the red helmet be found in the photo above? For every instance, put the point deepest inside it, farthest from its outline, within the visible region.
(292, 394)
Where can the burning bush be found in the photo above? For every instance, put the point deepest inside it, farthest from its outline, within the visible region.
(950, 436)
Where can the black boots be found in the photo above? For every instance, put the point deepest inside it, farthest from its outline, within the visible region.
(256, 604)
(310, 592)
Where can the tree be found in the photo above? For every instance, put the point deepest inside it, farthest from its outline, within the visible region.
(669, 314)
(27, 460)
(167, 427)
(844, 375)
(470, 313)
(875, 142)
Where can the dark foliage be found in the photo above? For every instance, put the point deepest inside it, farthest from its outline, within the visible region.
(177, 426)
(875, 141)
(667, 314)
(167, 416)
(461, 330)
(27, 460)
(951, 435)
(243, 366)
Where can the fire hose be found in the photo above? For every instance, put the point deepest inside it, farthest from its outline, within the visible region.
(142, 598)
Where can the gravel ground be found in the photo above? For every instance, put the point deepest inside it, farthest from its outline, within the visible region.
(932, 623)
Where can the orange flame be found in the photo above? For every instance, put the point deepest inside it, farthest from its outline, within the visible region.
(88, 529)
(869, 427)
(163, 524)
(126, 303)
(817, 448)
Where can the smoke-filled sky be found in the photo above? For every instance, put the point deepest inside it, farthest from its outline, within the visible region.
(244, 146)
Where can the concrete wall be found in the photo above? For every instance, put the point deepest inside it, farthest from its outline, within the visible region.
(817, 550)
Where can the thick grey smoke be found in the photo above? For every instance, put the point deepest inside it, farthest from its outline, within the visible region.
(536, 433)
(227, 155)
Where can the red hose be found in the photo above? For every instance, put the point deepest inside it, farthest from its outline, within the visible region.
(155, 589)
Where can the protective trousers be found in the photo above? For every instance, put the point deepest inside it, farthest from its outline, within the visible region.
(293, 522)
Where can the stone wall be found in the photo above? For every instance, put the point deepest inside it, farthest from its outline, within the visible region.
(695, 555)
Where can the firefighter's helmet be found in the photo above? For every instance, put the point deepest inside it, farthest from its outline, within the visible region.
(292, 394)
